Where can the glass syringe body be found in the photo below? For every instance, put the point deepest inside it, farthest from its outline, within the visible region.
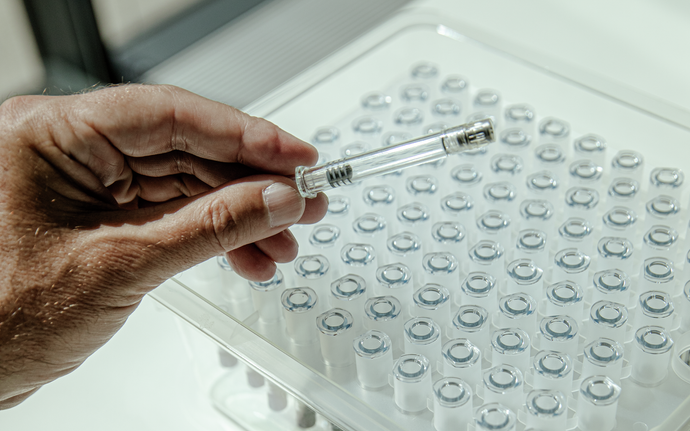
(426, 149)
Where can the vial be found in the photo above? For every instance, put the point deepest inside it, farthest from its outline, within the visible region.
(603, 356)
(537, 214)
(565, 298)
(655, 308)
(412, 216)
(502, 196)
(612, 285)
(517, 311)
(335, 337)
(650, 356)
(467, 177)
(406, 248)
(311, 271)
(266, 297)
(521, 116)
(571, 264)
(553, 370)
(582, 202)
(411, 382)
(624, 192)
(462, 359)
(662, 210)
(504, 384)
(440, 268)
(299, 311)
(459, 206)
(629, 164)
(371, 229)
(479, 288)
(472, 322)
(546, 410)
(432, 301)
(449, 237)
(532, 244)
(495, 226)
(661, 241)
(422, 336)
(608, 320)
(592, 147)
(382, 313)
(554, 130)
(395, 280)
(585, 173)
(621, 222)
(544, 185)
(349, 292)
(452, 404)
(658, 274)
(380, 199)
(667, 181)
(324, 240)
(597, 404)
(487, 256)
(495, 417)
(549, 156)
(373, 359)
(576, 233)
(615, 252)
(510, 346)
(525, 276)
(359, 259)
(560, 334)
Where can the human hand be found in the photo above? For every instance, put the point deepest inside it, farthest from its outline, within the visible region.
(107, 194)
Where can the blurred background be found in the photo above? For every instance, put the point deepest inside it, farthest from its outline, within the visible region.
(237, 50)
(63, 46)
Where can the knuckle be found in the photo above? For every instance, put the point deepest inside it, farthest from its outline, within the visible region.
(221, 224)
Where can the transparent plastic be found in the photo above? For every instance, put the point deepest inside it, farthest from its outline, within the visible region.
(427, 149)
(330, 96)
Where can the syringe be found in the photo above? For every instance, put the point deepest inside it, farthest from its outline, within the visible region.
(426, 149)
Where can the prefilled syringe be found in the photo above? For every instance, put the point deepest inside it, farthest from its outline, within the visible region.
(470, 136)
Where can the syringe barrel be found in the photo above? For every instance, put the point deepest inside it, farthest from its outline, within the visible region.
(426, 149)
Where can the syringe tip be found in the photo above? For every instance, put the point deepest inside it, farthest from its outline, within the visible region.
(480, 132)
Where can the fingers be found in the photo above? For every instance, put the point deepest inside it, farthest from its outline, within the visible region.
(211, 172)
(251, 263)
(141, 121)
(171, 237)
(281, 247)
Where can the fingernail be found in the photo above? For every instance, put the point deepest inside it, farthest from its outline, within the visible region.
(285, 205)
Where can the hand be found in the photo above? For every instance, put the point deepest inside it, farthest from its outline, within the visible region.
(105, 195)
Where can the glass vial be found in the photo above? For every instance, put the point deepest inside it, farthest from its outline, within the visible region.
(603, 356)
(511, 346)
(373, 358)
(423, 337)
(504, 384)
(382, 313)
(650, 356)
(462, 359)
(597, 404)
(472, 322)
(546, 410)
(266, 297)
(411, 383)
(299, 311)
(432, 301)
(395, 280)
(452, 404)
(559, 333)
(553, 371)
(335, 336)
(525, 276)
(565, 298)
(479, 288)
(495, 417)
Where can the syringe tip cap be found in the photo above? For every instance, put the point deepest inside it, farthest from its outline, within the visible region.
(480, 132)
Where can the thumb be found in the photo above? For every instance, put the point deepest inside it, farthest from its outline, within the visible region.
(169, 238)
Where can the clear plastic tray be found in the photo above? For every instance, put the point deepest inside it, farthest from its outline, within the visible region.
(330, 94)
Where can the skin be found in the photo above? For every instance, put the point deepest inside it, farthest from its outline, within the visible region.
(105, 195)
